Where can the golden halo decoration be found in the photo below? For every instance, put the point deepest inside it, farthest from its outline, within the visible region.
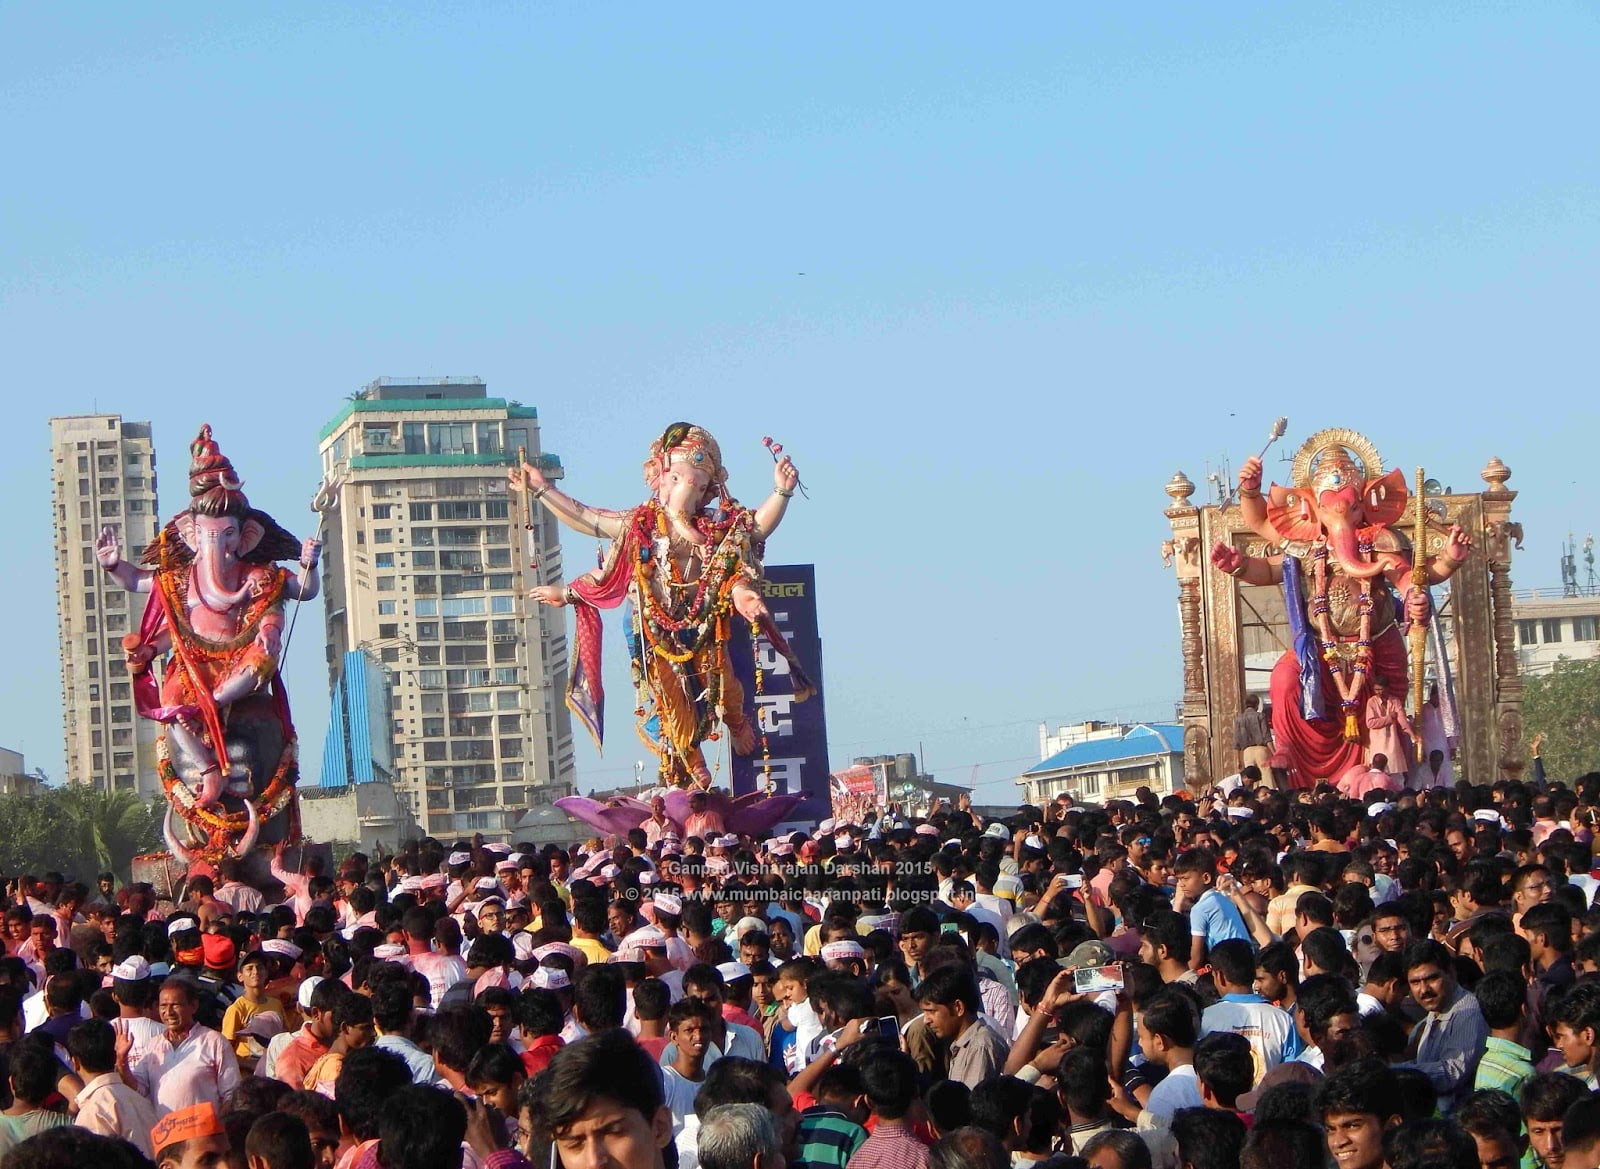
(1353, 441)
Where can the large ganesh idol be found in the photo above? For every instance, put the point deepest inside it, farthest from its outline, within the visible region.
(1346, 570)
(227, 757)
(686, 562)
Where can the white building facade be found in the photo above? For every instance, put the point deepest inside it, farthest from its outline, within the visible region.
(103, 471)
(428, 565)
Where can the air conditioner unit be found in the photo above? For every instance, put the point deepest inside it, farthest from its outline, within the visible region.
(505, 637)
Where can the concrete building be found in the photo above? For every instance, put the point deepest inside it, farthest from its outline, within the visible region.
(428, 567)
(1097, 762)
(1556, 623)
(104, 475)
(14, 777)
(367, 817)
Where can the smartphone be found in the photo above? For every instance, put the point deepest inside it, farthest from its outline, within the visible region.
(1073, 881)
(884, 1025)
(950, 927)
(1096, 979)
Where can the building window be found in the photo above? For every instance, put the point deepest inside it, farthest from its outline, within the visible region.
(508, 700)
(386, 608)
(412, 436)
(378, 439)
(421, 512)
(427, 608)
(390, 630)
(460, 510)
(385, 584)
(449, 438)
(1527, 633)
(1552, 630)
(502, 604)
(430, 679)
(390, 655)
(110, 507)
(383, 560)
(488, 438)
(428, 629)
(382, 511)
(500, 580)
(423, 560)
(499, 557)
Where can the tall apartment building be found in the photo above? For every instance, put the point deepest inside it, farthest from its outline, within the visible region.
(104, 473)
(428, 565)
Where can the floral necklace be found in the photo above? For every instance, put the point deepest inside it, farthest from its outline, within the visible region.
(1350, 673)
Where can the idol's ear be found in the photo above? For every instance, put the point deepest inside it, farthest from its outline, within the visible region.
(250, 534)
(184, 523)
(1384, 499)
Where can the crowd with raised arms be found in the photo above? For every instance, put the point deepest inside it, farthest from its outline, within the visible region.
(1253, 979)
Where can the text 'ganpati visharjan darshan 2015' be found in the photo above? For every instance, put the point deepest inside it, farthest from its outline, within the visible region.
(688, 562)
(228, 756)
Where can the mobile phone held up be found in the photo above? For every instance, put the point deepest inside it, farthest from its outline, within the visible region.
(886, 1026)
(1097, 979)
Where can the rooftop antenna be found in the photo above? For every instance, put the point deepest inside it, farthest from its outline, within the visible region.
(1591, 584)
(1569, 566)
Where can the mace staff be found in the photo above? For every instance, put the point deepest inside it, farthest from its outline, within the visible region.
(1418, 633)
(324, 501)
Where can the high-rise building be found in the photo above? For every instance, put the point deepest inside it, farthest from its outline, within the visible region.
(104, 472)
(428, 564)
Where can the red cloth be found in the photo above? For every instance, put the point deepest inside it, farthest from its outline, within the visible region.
(536, 1056)
(1317, 750)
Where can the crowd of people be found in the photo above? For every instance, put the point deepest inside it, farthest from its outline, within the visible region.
(1241, 981)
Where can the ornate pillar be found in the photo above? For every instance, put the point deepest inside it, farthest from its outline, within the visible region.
(1500, 533)
(1183, 550)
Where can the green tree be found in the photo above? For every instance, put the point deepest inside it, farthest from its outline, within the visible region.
(75, 830)
(1564, 707)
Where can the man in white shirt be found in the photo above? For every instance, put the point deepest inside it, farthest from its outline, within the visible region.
(1270, 1030)
(187, 1063)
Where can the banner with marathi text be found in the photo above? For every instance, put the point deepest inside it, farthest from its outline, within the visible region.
(796, 732)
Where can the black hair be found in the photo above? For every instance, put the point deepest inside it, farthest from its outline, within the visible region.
(1502, 997)
(1273, 1144)
(1490, 1111)
(1081, 1080)
(1224, 1063)
(1581, 1127)
(495, 1064)
(1552, 922)
(1364, 1086)
(352, 1010)
(1171, 1015)
(1086, 1024)
(1428, 953)
(1279, 959)
(368, 1080)
(891, 1084)
(948, 1104)
(950, 985)
(456, 1033)
(1234, 961)
(1547, 1096)
(1321, 998)
(539, 1013)
(392, 1005)
(599, 998)
(281, 1141)
(732, 1080)
(1429, 1144)
(263, 1094)
(424, 1129)
(1208, 1138)
(68, 1146)
(93, 1044)
(609, 1065)
(34, 1069)
(1169, 931)
(1506, 952)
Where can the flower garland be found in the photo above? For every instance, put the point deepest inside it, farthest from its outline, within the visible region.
(1349, 673)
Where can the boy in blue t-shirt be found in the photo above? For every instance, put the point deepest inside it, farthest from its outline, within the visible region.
(1212, 917)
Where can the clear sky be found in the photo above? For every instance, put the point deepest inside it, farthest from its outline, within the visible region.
(991, 276)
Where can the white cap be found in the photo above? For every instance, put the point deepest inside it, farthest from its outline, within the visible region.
(608, 871)
(1486, 816)
(926, 830)
(644, 938)
(506, 866)
(668, 903)
(389, 951)
(733, 970)
(281, 948)
(647, 879)
(497, 848)
(516, 859)
(782, 848)
(181, 923)
(306, 989)
(1379, 808)
(1240, 813)
(826, 826)
(842, 951)
(997, 831)
(485, 884)
(1033, 841)
(458, 858)
(549, 978)
(134, 969)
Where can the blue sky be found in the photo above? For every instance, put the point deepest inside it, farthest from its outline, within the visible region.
(990, 278)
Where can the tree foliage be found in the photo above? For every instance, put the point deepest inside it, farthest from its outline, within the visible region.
(1564, 707)
(79, 831)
